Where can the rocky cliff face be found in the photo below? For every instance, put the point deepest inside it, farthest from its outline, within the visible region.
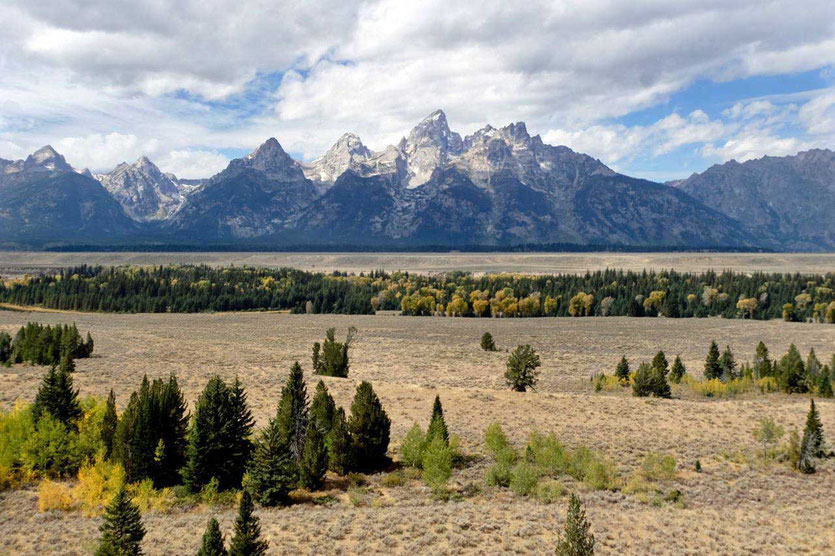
(143, 190)
(790, 198)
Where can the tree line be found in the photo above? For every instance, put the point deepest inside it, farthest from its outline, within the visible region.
(40, 344)
(189, 289)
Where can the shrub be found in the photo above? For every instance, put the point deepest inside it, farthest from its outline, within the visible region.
(393, 479)
(549, 491)
(522, 365)
(412, 447)
(658, 467)
(499, 474)
(768, 433)
(147, 498)
(487, 342)
(98, 483)
(495, 440)
(523, 478)
(54, 496)
(547, 452)
(437, 464)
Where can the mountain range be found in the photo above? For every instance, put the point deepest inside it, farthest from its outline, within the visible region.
(496, 187)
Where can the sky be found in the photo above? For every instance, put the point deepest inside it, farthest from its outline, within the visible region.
(655, 89)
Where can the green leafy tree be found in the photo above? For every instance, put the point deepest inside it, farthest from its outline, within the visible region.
(322, 409)
(212, 544)
(109, 423)
(57, 397)
(314, 461)
(768, 433)
(522, 366)
(370, 429)
(712, 367)
(622, 370)
(577, 539)
(122, 530)
(247, 540)
(293, 411)
(437, 423)
(340, 444)
(437, 464)
(274, 471)
(487, 342)
(678, 371)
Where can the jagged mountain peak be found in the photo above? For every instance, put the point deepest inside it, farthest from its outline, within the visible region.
(145, 193)
(348, 153)
(46, 159)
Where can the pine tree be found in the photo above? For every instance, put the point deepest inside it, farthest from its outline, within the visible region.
(825, 385)
(762, 363)
(487, 342)
(293, 412)
(109, 423)
(660, 387)
(370, 428)
(642, 381)
(660, 362)
(67, 363)
(322, 409)
(437, 423)
(212, 540)
(247, 538)
(331, 357)
(5, 347)
(727, 364)
(577, 539)
(678, 370)
(791, 372)
(57, 397)
(240, 443)
(712, 367)
(622, 370)
(122, 530)
(522, 365)
(273, 472)
(814, 432)
(340, 445)
(314, 462)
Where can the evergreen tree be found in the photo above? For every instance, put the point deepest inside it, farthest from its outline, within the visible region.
(370, 428)
(109, 423)
(219, 445)
(57, 397)
(660, 386)
(813, 433)
(437, 423)
(293, 411)
(67, 364)
(322, 409)
(522, 365)
(825, 385)
(340, 445)
(660, 362)
(577, 539)
(642, 381)
(5, 347)
(762, 363)
(727, 364)
(273, 472)
(212, 540)
(247, 537)
(678, 370)
(122, 530)
(791, 372)
(622, 370)
(487, 342)
(712, 367)
(314, 462)
(331, 357)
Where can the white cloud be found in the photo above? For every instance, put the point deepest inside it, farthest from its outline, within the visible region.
(193, 164)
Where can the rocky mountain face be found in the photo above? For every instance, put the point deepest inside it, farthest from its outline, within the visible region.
(497, 186)
(790, 198)
(143, 190)
(44, 200)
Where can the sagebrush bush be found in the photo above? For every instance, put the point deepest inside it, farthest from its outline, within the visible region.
(658, 467)
(549, 491)
(523, 478)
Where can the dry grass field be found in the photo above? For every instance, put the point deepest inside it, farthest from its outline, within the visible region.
(736, 505)
(21, 262)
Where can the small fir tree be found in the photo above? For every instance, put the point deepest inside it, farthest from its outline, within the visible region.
(660, 362)
(109, 423)
(370, 428)
(727, 364)
(622, 370)
(577, 539)
(331, 357)
(122, 530)
(762, 363)
(212, 544)
(487, 342)
(293, 411)
(791, 372)
(814, 432)
(437, 423)
(678, 370)
(642, 381)
(712, 367)
(273, 472)
(314, 462)
(522, 365)
(825, 385)
(322, 409)
(247, 540)
(57, 397)
(340, 444)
